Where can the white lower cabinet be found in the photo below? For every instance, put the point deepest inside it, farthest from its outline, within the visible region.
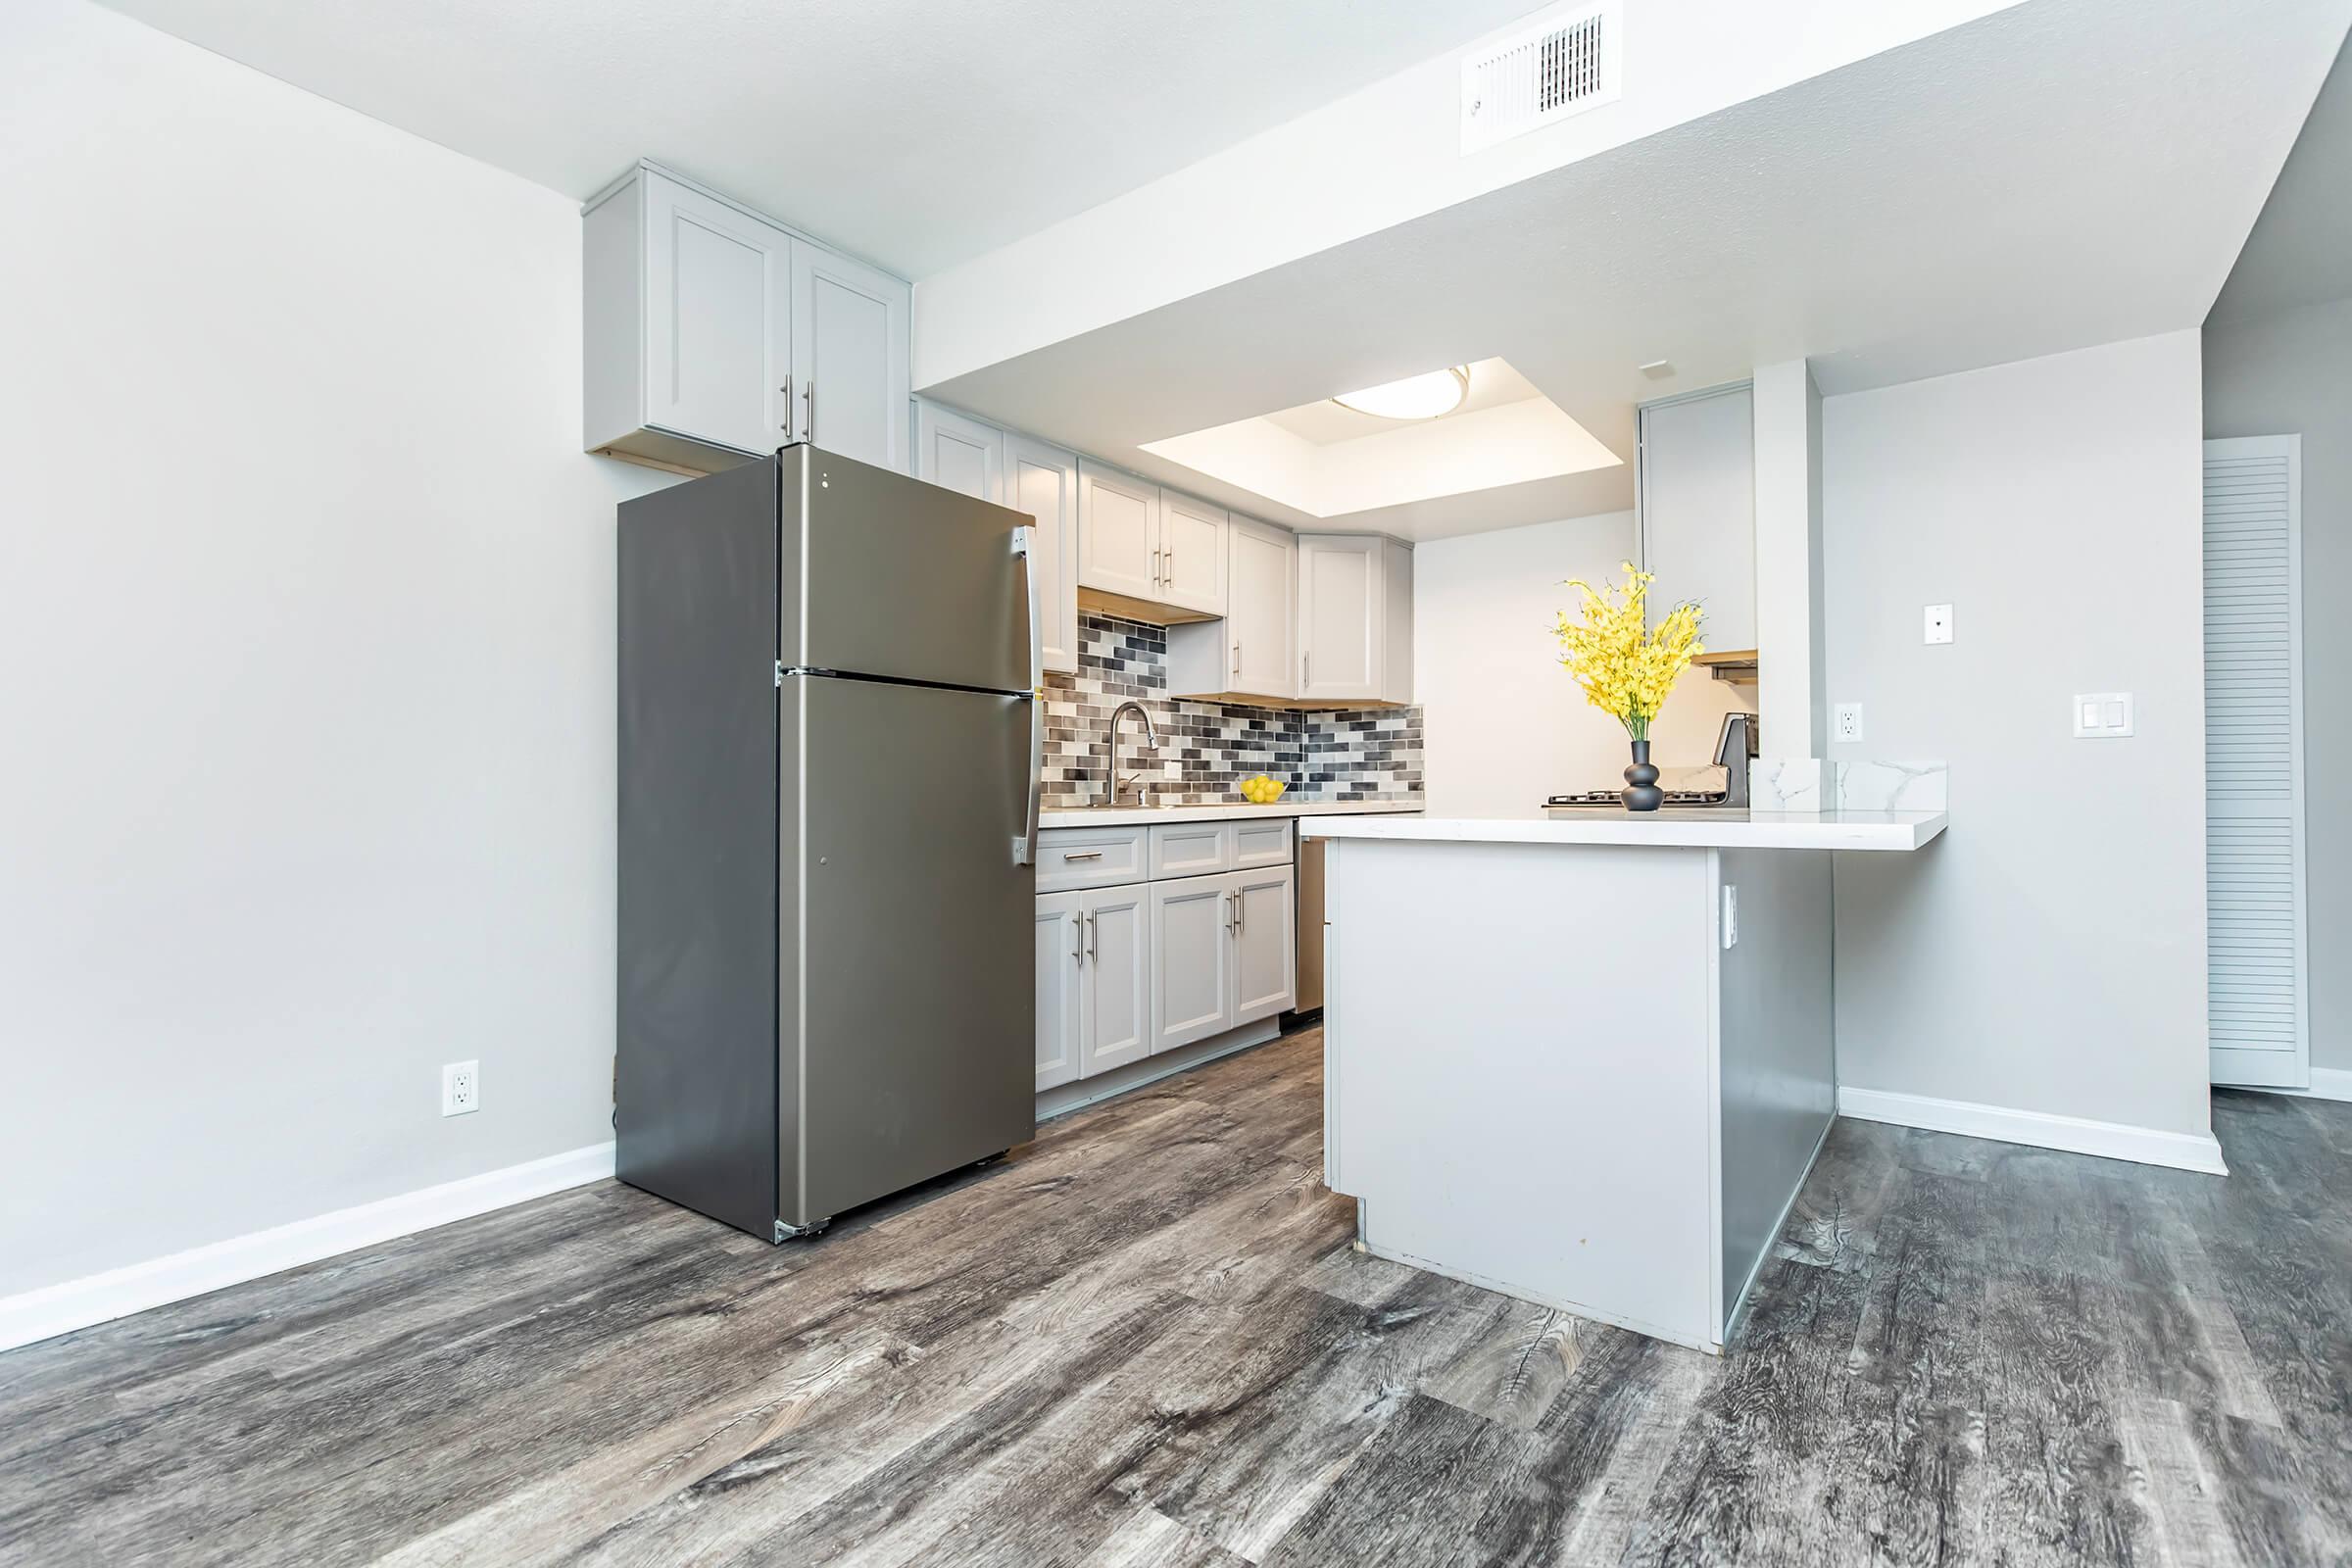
(1132, 970)
(1114, 1006)
(1061, 986)
(1266, 959)
(1192, 959)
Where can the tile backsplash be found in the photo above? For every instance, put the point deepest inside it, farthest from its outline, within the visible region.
(1207, 749)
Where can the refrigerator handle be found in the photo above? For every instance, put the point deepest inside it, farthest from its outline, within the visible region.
(1024, 845)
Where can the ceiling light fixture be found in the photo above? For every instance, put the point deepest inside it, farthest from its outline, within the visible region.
(1416, 397)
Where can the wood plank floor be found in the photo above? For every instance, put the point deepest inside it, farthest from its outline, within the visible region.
(1145, 1339)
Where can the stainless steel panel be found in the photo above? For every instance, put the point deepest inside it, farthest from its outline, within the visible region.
(1309, 902)
(695, 1070)
(902, 579)
(917, 1014)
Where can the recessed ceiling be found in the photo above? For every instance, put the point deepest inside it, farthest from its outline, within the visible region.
(914, 133)
(2057, 174)
(2300, 252)
(1332, 464)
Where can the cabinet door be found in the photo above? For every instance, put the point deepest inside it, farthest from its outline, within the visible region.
(1264, 943)
(718, 320)
(958, 453)
(1060, 975)
(1118, 532)
(1192, 554)
(1261, 617)
(850, 342)
(1116, 1005)
(1698, 511)
(1341, 611)
(1192, 959)
(1043, 482)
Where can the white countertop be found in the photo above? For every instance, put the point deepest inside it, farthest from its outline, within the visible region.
(1129, 815)
(1696, 827)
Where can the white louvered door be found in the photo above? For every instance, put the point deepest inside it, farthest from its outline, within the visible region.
(2254, 872)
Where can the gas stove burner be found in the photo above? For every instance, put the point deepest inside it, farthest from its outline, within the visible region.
(1613, 798)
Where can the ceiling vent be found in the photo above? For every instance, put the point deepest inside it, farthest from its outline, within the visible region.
(1568, 65)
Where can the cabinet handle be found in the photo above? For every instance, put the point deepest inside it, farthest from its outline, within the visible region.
(1241, 918)
(786, 390)
(1156, 577)
(1229, 912)
(1307, 672)
(1089, 933)
(1078, 936)
(808, 397)
(1082, 855)
(1236, 655)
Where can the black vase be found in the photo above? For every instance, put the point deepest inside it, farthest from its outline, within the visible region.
(1641, 792)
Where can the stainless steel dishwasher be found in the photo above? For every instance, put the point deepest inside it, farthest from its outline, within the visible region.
(1309, 901)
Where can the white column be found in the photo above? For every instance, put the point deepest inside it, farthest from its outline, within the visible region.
(1792, 714)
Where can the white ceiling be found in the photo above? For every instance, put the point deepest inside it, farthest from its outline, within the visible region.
(2300, 252)
(914, 133)
(2054, 175)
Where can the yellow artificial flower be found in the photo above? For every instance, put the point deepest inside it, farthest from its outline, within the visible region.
(1626, 666)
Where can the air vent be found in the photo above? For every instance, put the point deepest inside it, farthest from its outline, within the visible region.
(1565, 67)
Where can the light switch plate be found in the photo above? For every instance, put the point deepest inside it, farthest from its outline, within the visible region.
(1940, 623)
(1845, 724)
(2102, 715)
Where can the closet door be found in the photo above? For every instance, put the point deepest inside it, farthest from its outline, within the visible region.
(2257, 958)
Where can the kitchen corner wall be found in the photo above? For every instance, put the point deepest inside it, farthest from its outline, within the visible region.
(1207, 749)
(2048, 954)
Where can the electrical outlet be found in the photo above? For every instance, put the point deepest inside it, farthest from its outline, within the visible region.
(461, 1088)
(1939, 623)
(1847, 724)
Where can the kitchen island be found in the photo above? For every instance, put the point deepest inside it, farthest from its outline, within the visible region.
(1585, 1059)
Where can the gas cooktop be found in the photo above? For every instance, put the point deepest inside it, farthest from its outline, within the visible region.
(1611, 798)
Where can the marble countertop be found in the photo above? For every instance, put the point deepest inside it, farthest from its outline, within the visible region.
(1129, 815)
(1696, 827)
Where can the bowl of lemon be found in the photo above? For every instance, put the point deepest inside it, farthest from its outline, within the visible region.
(1262, 791)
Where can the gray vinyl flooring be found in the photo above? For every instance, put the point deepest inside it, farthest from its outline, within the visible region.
(1146, 1340)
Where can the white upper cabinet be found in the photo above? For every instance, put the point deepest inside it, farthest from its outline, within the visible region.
(1192, 554)
(1043, 482)
(957, 452)
(960, 453)
(1250, 653)
(1261, 619)
(1355, 619)
(707, 324)
(1698, 511)
(849, 357)
(1118, 532)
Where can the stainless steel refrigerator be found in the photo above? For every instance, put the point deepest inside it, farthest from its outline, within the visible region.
(830, 740)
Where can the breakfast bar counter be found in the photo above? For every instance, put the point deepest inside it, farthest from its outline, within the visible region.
(1586, 1058)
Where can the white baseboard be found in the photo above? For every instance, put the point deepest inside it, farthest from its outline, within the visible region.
(2327, 1083)
(2109, 1140)
(71, 1304)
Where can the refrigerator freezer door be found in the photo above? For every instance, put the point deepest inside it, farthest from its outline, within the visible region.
(915, 1027)
(900, 579)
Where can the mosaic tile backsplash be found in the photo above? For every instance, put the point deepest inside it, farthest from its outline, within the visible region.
(1207, 749)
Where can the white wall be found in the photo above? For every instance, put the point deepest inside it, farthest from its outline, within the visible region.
(2291, 374)
(2048, 954)
(307, 608)
(1503, 724)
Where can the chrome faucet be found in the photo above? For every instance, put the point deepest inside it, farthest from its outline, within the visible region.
(1734, 749)
(1111, 775)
